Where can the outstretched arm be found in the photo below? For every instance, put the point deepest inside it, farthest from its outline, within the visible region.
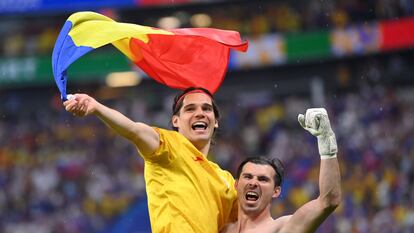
(143, 136)
(310, 216)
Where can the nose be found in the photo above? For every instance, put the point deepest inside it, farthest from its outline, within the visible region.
(252, 183)
(199, 112)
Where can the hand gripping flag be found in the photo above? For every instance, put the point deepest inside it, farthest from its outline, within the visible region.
(178, 58)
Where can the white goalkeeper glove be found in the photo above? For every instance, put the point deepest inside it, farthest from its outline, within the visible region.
(316, 121)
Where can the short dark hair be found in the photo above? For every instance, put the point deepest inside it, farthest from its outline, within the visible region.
(275, 163)
(178, 102)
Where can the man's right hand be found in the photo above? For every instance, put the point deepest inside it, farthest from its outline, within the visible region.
(80, 105)
(316, 121)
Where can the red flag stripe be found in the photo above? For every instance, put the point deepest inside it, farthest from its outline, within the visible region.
(181, 61)
(229, 38)
(397, 34)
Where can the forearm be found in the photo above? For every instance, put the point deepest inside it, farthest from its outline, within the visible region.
(310, 216)
(330, 183)
(143, 136)
(121, 124)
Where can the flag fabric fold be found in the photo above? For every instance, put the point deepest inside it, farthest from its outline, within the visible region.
(178, 58)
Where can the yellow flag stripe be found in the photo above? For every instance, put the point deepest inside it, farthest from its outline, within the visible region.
(95, 30)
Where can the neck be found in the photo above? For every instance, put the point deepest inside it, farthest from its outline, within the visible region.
(250, 221)
(203, 147)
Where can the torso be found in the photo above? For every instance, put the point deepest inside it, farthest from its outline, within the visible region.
(271, 226)
(184, 187)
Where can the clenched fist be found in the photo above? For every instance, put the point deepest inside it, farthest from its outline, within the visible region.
(316, 121)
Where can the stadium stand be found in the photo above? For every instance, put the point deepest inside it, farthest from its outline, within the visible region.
(68, 175)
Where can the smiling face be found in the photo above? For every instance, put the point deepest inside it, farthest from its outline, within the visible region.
(195, 120)
(256, 188)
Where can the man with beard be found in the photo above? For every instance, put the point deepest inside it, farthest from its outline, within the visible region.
(259, 181)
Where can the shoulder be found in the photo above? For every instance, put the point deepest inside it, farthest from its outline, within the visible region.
(165, 152)
(280, 222)
(283, 219)
(167, 135)
(162, 131)
(223, 173)
(172, 144)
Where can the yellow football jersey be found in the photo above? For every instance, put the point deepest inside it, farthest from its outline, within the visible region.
(186, 192)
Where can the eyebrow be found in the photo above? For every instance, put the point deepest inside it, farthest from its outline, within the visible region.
(193, 104)
(258, 176)
(263, 177)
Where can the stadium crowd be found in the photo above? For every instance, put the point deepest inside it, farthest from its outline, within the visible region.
(63, 174)
(249, 18)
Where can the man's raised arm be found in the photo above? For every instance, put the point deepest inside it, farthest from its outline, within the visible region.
(143, 136)
(311, 215)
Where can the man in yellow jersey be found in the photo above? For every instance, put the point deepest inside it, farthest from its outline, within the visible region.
(186, 192)
(259, 181)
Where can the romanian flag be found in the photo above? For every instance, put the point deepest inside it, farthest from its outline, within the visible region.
(178, 58)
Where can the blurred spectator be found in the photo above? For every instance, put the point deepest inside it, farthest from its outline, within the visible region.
(37, 35)
(59, 174)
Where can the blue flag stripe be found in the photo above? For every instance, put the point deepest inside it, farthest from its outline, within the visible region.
(64, 54)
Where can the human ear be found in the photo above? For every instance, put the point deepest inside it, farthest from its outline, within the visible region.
(174, 121)
(216, 125)
(277, 191)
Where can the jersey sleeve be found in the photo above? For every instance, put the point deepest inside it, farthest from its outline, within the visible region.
(164, 155)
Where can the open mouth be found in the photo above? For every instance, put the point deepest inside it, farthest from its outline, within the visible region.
(199, 126)
(252, 196)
